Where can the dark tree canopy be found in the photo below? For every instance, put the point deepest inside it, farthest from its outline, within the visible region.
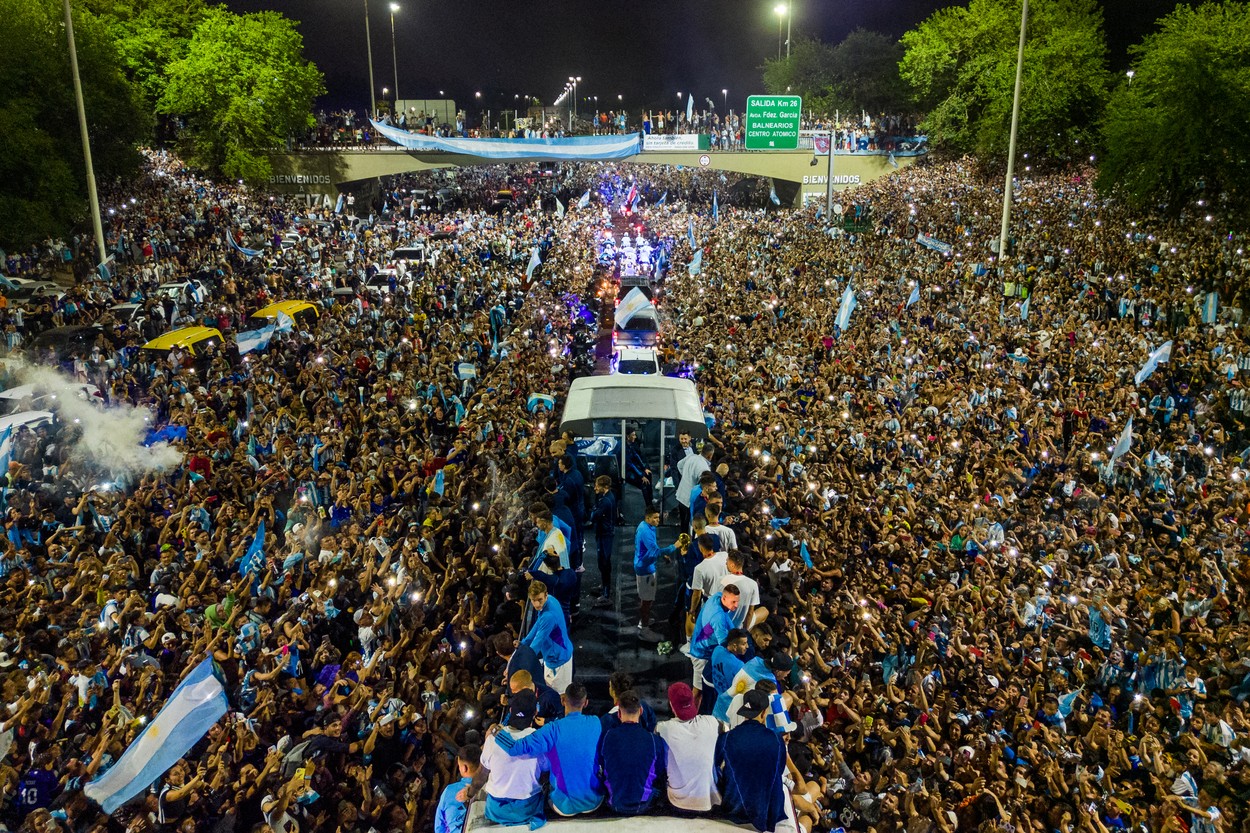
(860, 73)
(1177, 132)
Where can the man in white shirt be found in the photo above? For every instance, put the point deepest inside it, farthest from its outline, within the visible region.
(749, 612)
(708, 572)
(728, 538)
(691, 739)
(513, 792)
(690, 468)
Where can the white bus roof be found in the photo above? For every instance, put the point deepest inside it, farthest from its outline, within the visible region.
(632, 397)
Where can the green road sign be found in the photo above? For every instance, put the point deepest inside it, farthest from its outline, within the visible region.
(773, 122)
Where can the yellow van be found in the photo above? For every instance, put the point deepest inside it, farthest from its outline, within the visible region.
(302, 313)
(195, 340)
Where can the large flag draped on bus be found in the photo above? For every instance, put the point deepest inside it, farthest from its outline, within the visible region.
(633, 303)
(197, 703)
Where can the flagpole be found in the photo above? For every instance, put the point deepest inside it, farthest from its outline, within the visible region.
(92, 195)
(1011, 146)
(829, 181)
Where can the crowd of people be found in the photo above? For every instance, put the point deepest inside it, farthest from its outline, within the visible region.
(919, 587)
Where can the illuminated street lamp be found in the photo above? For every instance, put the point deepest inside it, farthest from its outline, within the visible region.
(1130, 75)
(783, 12)
(725, 95)
(394, 53)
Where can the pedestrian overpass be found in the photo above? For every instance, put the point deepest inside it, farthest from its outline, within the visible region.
(797, 174)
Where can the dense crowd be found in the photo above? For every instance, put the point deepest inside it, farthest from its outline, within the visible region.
(917, 594)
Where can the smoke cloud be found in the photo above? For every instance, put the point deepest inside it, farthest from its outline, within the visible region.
(109, 437)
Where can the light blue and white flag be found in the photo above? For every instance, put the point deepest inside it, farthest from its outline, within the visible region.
(689, 107)
(715, 209)
(1024, 308)
(1123, 444)
(915, 294)
(893, 161)
(772, 193)
(616, 146)
(197, 703)
(534, 263)
(537, 400)
(6, 449)
(252, 340)
(696, 263)
(634, 302)
(585, 200)
(1158, 356)
(248, 253)
(283, 323)
(690, 233)
(1210, 307)
(849, 302)
(662, 200)
(559, 208)
(255, 556)
(338, 204)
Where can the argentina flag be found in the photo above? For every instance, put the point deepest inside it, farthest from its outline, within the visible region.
(696, 263)
(585, 200)
(914, 296)
(534, 263)
(197, 703)
(1210, 307)
(847, 307)
(251, 340)
(255, 555)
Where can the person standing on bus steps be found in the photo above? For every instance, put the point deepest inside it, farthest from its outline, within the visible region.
(646, 553)
(636, 472)
(549, 637)
(603, 519)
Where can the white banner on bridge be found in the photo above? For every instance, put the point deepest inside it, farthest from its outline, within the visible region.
(671, 141)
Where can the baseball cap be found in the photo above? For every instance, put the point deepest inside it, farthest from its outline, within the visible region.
(681, 699)
(754, 702)
(522, 707)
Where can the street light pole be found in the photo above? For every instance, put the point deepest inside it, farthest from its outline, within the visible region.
(92, 195)
(1011, 145)
(789, 19)
(395, 56)
(725, 95)
(829, 181)
(373, 101)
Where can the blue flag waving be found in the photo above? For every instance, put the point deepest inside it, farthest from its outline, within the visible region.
(662, 199)
(715, 209)
(696, 263)
(1024, 308)
(585, 200)
(847, 307)
(690, 232)
(534, 263)
(1158, 356)
(689, 107)
(915, 294)
(197, 703)
(255, 555)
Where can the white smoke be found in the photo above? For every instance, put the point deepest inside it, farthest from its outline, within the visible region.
(109, 437)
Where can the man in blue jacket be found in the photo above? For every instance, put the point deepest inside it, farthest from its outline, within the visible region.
(646, 553)
(750, 760)
(449, 817)
(711, 629)
(632, 759)
(568, 749)
(549, 637)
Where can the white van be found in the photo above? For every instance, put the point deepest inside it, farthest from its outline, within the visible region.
(415, 254)
(642, 361)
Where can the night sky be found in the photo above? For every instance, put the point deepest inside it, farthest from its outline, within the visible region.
(645, 50)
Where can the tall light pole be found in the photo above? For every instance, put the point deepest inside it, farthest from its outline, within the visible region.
(1011, 145)
(395, 55)
(783, 12)
(92, 196)
(373, 101)
(574, 79)
(725, 95)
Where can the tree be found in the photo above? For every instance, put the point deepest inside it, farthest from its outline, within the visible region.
(242, 88)
(1175, 131)
(961, 62)
(42, 173)
(149, 35)
(860, 73)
